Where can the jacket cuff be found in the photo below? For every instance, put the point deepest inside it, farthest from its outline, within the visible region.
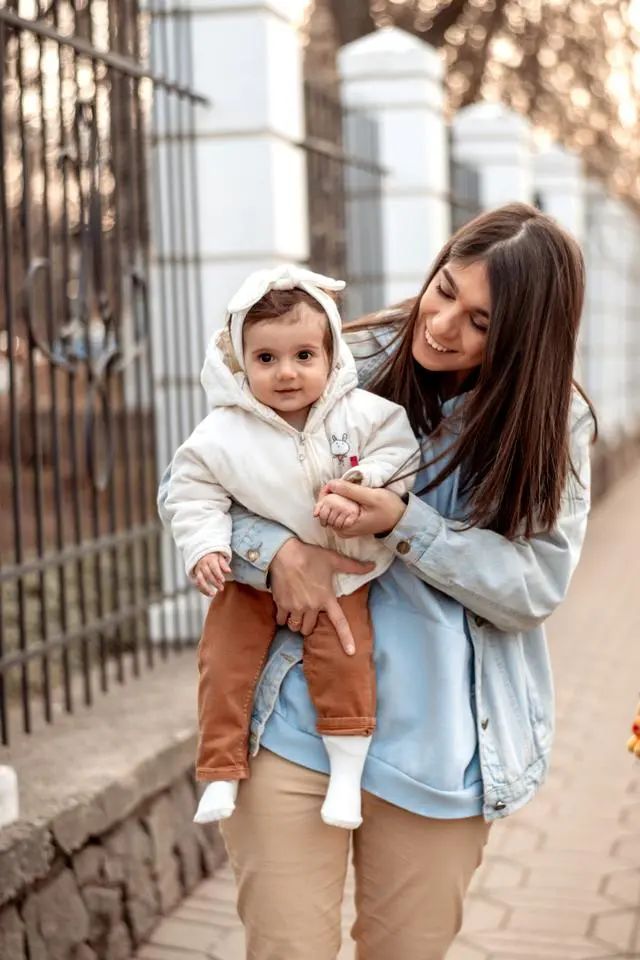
(254, 552)
(415, 531)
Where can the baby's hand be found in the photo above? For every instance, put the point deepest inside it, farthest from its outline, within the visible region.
(335, 511)
(208, 573)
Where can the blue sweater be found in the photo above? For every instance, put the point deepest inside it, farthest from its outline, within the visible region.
(424, 754)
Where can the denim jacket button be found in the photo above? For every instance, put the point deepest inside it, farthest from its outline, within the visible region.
(485, 723)
(403, 547)
(253, 555)
(499, 805)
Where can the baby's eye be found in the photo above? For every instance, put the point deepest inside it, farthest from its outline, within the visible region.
(305, 355)
(265, 357)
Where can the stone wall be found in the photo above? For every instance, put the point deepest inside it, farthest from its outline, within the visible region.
(101, 899)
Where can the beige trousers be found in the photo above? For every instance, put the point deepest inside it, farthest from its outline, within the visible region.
(411, 872)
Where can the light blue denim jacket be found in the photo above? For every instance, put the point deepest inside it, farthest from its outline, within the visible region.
(507, 588)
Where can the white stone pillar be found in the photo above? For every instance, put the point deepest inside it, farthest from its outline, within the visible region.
(398, 80)
(607, 309)
(246, 58)
(9, 802)
(498, 143)
(561, 191)
(561, 187)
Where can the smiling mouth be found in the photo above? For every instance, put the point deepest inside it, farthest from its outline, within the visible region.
(434, 343)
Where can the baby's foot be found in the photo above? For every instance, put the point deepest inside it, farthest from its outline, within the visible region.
(342, 806)
(217, 802)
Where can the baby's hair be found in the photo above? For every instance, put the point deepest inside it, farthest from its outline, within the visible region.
(281, 304)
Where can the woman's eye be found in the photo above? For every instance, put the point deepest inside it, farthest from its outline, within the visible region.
(482, 327)
(444, 293)
(265, 357)
(305, 355)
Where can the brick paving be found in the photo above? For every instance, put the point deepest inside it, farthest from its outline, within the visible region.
(561, 878)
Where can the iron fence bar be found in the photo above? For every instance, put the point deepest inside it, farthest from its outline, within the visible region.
(106, 623)
(116, 121)
(115, 60)
(182, 420)
(86, 548)
(138, 289)
(162, 300)
(325, 148)
(53, 388)
(76, 383)
(16, 497)
(26, 238)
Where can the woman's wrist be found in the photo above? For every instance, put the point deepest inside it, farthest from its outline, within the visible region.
(404, 498)
(282, 556)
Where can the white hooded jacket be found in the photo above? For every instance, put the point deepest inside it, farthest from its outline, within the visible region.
(243, 450)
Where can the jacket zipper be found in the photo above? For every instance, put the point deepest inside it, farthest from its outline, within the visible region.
(305, 456)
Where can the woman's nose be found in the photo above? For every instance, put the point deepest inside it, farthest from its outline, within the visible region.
(445, 323)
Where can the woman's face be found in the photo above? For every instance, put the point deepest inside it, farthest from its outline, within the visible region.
(451, 330)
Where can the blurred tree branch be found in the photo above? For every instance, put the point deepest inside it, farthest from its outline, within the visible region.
(572, 66)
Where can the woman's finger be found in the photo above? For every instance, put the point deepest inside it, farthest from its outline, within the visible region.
(341, 625)
(309, 622)
(226, 566)
(282, 615)
(365, 496)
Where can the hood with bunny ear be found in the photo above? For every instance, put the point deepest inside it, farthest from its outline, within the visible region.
(285, 277)
(223, 373)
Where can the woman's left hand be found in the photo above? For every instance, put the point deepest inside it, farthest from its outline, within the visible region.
(380, 510)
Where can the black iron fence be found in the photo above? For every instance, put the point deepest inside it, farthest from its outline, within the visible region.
(344, 177)
(464, 196)
(80, 561)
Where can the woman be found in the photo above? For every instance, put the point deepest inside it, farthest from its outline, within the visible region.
(482, 361)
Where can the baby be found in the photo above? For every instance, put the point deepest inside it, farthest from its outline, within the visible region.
(287, 417)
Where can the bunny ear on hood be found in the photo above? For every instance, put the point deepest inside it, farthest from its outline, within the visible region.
(285, 277)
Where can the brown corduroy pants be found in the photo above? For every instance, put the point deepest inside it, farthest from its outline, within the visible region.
(237, 633)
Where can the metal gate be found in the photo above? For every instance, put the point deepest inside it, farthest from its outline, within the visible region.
(344, 177)
(85, 83)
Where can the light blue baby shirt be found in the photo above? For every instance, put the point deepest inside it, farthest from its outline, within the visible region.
(424, 753)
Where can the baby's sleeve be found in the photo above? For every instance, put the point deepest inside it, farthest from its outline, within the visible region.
(196, 505)
(390, 454)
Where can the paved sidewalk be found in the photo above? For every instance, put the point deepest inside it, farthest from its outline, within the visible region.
(561, 879)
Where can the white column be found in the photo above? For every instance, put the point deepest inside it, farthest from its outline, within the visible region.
(9, 801)
(498, 143)
(561, 191)
(398, 80)
(251, 199)
(561, 187)
(247, 58)
(608, 302)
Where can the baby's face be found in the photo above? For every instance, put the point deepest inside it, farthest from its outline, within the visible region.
(287, 361)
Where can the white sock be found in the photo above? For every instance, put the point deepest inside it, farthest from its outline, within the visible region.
(342, 806)
(217, 802)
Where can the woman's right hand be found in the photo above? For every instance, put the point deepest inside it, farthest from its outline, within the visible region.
(301, 578)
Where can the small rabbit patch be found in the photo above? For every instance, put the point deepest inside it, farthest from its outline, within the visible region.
(340, 447)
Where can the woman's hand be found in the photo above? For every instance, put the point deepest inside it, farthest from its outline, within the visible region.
(301, 578)
(380, 510)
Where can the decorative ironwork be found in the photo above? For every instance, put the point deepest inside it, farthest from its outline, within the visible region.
(80, 555)
(344, 179)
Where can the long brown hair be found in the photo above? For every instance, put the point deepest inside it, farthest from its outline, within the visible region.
(513, 449)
